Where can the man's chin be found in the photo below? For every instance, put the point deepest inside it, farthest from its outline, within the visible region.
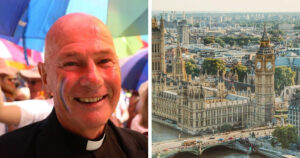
(92, 121)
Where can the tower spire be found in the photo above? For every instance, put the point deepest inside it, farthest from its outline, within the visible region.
(162, 25)
(265, 36)
(265, 47)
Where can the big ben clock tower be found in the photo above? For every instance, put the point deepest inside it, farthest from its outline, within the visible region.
(264, 81)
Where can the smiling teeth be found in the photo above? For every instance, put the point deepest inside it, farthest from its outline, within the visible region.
(90, 100)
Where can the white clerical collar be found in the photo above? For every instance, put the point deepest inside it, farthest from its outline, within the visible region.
(94, 145)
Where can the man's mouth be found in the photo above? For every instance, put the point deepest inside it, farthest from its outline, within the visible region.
(90, 100)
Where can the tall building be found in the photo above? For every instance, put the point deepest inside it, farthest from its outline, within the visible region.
(264, 81)
(183, 32)
(294, 111)
(158, 48)
(183, 15)
(178, 65)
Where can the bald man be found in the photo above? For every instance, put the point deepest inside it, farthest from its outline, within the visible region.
(81, 71)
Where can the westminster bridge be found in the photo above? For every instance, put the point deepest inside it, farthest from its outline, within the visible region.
(198, 145)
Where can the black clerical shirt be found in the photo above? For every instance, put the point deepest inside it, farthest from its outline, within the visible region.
(48, 139)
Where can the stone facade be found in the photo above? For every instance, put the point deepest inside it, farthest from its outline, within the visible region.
(294, 111)
(195, 108)
(264, 82)
(158, 48)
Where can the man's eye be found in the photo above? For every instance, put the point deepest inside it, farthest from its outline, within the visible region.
(106, 62)
(70, 64)
(103, 61)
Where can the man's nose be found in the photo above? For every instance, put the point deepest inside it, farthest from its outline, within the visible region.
(92, 76)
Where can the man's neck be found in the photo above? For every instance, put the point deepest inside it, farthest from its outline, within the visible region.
(88, 133)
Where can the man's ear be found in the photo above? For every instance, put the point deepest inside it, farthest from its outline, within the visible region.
(42, 71)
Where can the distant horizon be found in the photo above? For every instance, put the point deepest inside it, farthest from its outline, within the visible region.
(239, 6)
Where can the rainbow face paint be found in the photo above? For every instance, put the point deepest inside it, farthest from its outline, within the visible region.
(61, 99)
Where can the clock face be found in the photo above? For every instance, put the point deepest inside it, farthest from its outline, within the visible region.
(258, 65)
(269, 65)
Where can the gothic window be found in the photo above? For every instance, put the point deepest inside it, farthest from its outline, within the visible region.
(153, 48)
(158, 66)
(240, 118)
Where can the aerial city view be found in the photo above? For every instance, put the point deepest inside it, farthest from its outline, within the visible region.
(225, 82)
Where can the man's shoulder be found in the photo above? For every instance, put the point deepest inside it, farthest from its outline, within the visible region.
(133, 135)
(133, 141)
(20, 140)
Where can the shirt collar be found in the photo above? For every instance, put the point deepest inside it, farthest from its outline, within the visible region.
(80, 143)
(94, 144)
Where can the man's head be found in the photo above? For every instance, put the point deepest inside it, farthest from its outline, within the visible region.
(81, 70)
(9, 82)
(34, 82)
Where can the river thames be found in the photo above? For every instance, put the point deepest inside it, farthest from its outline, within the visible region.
(161, 132)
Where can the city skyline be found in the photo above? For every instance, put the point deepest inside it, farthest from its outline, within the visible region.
(240, 93)
(227, 5)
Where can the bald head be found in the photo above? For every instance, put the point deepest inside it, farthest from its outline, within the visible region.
(72, 28)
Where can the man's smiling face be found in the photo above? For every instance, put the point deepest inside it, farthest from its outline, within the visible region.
(81, 70)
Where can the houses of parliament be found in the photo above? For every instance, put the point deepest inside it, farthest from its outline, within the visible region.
(210, 101)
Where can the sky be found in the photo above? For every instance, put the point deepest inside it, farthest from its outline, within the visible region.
(227, 5)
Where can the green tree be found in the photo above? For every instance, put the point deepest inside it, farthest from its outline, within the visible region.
(297, 27)
(209, 40)
(220, 41)
(241, 70)
(196, 25)
(212, 66)
(191, 68)
(240, 41)
(286, 135)
(273, 142)
(284, 76)
(276, 36)
(225, 128)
